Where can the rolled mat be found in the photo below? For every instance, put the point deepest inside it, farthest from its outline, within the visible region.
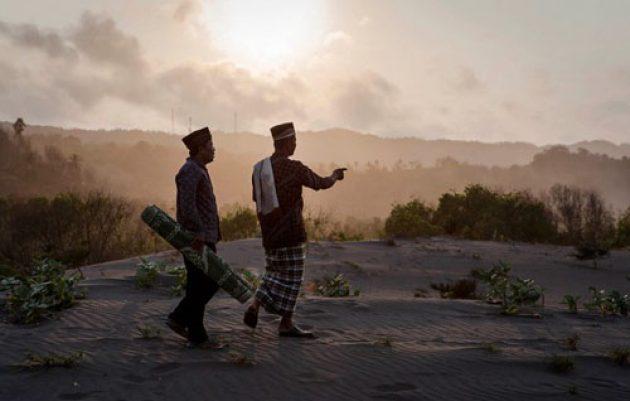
(211, 264)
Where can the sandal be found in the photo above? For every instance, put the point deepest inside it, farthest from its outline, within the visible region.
(296, 332)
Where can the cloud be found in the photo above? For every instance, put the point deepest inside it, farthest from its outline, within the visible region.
(99, 39)
(111, 69)
(216, 91)
(612, 115)
(30, 36)
(467, 81)
(540, 83)
(186, 9)
(338, 38)
(367, 102)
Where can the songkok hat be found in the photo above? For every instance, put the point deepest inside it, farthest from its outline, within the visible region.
(282, 131)
(197, 138)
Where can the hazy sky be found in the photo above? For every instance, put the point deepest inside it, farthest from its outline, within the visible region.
(537, 71)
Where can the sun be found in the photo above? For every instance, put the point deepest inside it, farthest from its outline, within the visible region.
(266, 34)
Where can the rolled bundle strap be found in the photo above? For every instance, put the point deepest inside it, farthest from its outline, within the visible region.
(207, 261)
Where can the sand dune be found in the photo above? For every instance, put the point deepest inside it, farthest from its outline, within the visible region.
(384, 344)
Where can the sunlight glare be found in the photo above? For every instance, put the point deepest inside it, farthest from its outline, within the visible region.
(266, 34)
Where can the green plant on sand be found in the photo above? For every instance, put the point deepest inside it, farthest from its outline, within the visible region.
(336, 286)
(511, 292)
(561, 364)
(571, 342)
(38, 295)
(147, 273)
(608, 302)
(241, 359)
(620, 355)
(149, 332)
(179, 272)
(490, 347)
(52, 360)
(420, 293)
(571, 302)
(384, 342)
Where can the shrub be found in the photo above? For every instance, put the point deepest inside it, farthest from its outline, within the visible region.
(568, 204)
(318, 224)
(571, 302)
(483, 214)
(149, 332)
(72, 228)
(511, 292)
(623, 229)
(561, 364)
(411, 220)
(461, 289)
(46, 290)
(239, 223)
(180, 279)
(420, 293)
(8, 271)
(597, 236)
(384, 342)
(490, 347)
(608, 302)
(584, 221)
(321, 225)
(241, 359)
(147, 273)
(571, 342)
(390, 242)
(496, 280)
(27, 171)
(620, 355)
(52, 360)
(336, 286)
(343, 236)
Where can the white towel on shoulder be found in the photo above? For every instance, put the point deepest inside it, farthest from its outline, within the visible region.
(265, 187)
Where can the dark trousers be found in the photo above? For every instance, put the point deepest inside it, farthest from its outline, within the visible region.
(190, 311)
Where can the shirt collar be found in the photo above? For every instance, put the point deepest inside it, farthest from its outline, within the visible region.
(196, 162)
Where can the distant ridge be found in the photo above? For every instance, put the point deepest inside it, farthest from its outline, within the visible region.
(344, 146)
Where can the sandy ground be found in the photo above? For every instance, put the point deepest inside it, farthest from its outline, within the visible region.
(437, 347)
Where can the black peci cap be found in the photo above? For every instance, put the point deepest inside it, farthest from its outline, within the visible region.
(197, 138)
(282, 131)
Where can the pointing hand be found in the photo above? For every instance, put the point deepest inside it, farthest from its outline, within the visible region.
(339, 173)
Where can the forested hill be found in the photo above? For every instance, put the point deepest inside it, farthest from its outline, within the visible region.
(348, 147)
(142, 166)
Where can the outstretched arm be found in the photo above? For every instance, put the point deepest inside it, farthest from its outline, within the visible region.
(312, 180)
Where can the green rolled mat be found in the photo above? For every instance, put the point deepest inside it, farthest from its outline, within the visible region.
(211, 264)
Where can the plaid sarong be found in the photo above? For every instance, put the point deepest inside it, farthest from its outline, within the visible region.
(280, 285)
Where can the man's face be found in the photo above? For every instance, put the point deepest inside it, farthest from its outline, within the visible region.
(207, 151)
(292, 145)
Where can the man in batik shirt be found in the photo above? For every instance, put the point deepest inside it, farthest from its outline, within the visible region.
(196, 212)
(284, 234)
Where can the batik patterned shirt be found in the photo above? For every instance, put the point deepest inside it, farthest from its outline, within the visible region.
(285, 226)
(196, 205)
